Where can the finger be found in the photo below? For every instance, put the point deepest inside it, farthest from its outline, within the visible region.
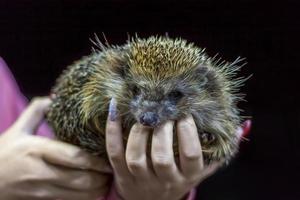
(38, 190)
(239, 133)
(83, 180)
(162, 154)
(33, 115)
(190, 152)
(246, 127)
(114, 142)
(136, 157)
(243, 131)
(67, 155)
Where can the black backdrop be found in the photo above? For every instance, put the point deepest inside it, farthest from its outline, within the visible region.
(39, 38)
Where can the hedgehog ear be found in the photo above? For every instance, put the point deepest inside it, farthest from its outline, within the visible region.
(202, 72)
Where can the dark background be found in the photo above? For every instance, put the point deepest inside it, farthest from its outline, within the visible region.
(39, 38)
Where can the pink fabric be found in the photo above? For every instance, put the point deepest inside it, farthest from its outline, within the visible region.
(12, 103)
(11, 100)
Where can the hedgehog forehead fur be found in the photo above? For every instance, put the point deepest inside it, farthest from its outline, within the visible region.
(159, 58)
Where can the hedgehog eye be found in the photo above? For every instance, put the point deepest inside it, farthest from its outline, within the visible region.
(203, 81)
(121, 70)
(202, 72)
(175, 95)
(135, 90)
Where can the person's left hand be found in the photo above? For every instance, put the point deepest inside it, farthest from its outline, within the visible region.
(161, 178)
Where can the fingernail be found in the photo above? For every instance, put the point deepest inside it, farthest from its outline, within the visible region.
(246, 127)
(112, 110)
(48, 102)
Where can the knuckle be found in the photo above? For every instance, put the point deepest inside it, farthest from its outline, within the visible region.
(31, 187)
(162, 161)
(41, 193)
(115, 156)
(77, 153)
(135, 164)
(34, 176)
(80, 156)
(87, 181)
(167, 186)
(28, 178)
(191, 155)
(122, 181)
(31, 151)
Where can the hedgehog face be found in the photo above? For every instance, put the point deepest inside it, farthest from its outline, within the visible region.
(153, 106)
(155, 102)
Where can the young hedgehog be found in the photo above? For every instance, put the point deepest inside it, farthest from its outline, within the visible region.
(153, 80)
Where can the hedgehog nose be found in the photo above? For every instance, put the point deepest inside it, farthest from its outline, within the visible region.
(149, 119)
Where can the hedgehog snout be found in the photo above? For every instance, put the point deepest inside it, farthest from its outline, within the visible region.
(149, 119)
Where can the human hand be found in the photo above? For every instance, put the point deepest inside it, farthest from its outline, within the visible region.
(34, 168)
(136, 177)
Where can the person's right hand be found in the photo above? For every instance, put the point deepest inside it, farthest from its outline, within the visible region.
(32, 167)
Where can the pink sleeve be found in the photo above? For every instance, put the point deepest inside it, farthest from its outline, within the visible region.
(12, 102)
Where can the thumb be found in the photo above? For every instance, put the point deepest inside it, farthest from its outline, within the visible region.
(32, 116)
(246, 127)
(244, 130)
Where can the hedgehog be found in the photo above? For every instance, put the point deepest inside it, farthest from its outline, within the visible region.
(152, 80)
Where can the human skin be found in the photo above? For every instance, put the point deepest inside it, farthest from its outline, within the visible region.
(34, 167)
(48, 169)
(161, 178)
